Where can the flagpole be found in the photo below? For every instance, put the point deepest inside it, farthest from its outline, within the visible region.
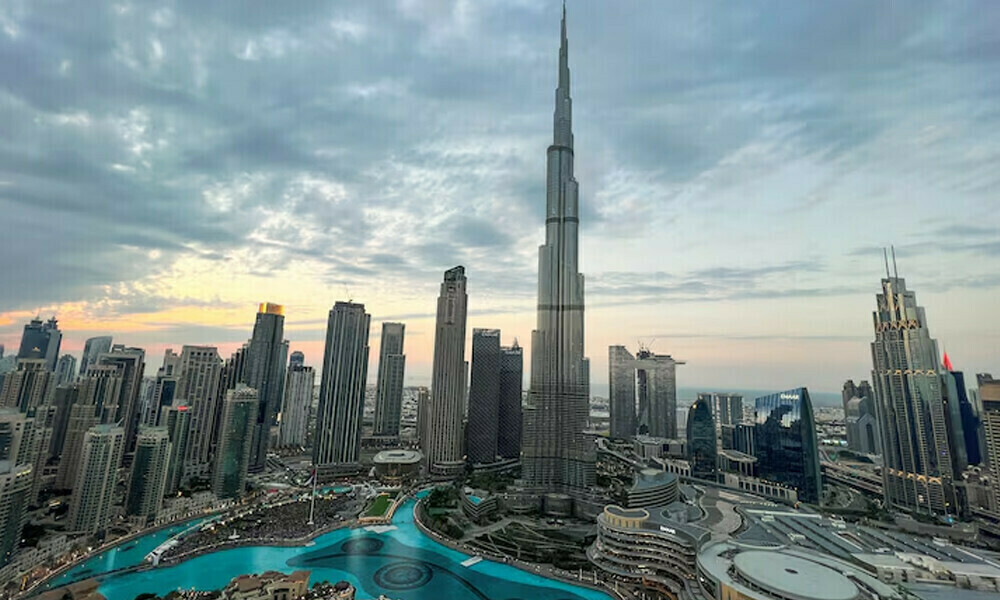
(312, 502)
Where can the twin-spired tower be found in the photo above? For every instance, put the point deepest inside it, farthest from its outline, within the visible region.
(557, 456)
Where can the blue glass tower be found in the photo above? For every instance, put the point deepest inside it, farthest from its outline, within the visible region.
(785, 442)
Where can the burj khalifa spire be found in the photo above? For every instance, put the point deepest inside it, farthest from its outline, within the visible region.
(557, 456)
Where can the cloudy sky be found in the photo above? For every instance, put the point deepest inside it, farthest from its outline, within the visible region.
(166, 166)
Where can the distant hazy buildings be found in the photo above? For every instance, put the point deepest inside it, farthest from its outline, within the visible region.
(239, 417)
(41, 340)
(785, 442)
(918, 472)
(558, 457)
(299, 383)
(149, 473)
(65, 369)
(389, 390)
(342, 390)
(30, 386)
(94, 491)
(702, 447)
(442, 442)
(860, 418)
(93, 348)
(265, 372)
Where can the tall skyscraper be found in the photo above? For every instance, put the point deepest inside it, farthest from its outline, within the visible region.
(177, 421)
(656, 387)
(342, 390)
(967, 430)
(149, 473)
(860, 418)
(198, 370)
(93, 494)
(917, 473)
(558, 456)
(481, 431)
(989, 396)
(30, 386)
(41, 340)
(65, 397)
(16, 476)
(621, 392)
(265, 373)
(389, 391)
(643, 393)
(510, 419)
(93, 348)
(785, 442)
(299, 383)
(511, 386)
(65, 369)
(96, 403)
(132, 363)
(239, 418)
(297, 358)
(442, 444)
(702, 447)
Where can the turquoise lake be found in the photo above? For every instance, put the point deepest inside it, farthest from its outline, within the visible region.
(402, 563)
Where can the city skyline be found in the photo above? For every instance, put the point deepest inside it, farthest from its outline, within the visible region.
(666, 141)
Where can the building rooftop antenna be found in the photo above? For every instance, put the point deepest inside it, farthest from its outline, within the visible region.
(895, 273)
(885, 255)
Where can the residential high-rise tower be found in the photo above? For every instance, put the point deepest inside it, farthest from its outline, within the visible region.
(342, 390)
(917, 467)
(265, 372)
(389, 390)
(442, 443)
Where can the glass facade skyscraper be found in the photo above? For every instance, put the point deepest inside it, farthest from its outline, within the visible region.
(702, 447)
(785, 442)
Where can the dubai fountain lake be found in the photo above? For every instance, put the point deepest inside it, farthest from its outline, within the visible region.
(401, 563)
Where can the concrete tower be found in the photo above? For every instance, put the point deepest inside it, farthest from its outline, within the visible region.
(342, 390)
(442, 443)
(149, 473)
(299, 383)
(132, 363)
(391, 369)
(29, 387)
(94, 492)
(197, 371)
(16, 475)
(558, 457)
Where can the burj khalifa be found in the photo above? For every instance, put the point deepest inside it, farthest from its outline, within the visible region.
(557, 455)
